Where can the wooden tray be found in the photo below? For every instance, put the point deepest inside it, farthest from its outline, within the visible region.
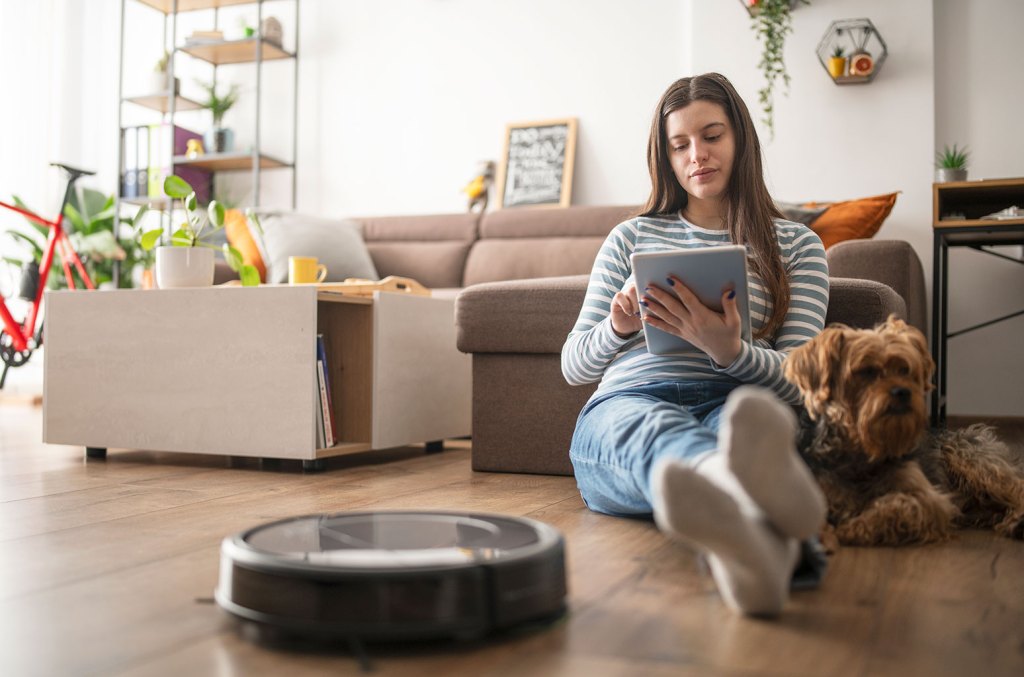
(358, 287)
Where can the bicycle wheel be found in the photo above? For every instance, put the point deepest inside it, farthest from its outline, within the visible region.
(10, 356)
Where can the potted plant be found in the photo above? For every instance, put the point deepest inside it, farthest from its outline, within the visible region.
(951, 164)
(89, 221)
(837, 63)
(219, 139)
(188, 261)
(771, 22)
(161, 80)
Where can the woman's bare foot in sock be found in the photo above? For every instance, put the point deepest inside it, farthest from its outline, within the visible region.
(750, 561)
(757, 437)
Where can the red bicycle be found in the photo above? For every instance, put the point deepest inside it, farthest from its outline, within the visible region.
(17, 341)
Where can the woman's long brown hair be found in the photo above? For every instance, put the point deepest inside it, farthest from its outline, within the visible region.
(749, 207)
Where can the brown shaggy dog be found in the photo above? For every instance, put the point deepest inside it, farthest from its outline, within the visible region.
(888, 480)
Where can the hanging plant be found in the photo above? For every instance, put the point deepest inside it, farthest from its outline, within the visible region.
(772, 22)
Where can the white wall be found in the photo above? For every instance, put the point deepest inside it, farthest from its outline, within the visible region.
(402, 99)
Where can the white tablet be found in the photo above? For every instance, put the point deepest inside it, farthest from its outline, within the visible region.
(708, 272)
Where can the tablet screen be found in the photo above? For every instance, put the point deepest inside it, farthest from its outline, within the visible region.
(708, 272)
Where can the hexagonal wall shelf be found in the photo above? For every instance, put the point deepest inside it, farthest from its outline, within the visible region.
(863, 48)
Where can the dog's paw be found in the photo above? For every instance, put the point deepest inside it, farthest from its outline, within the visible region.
(829, 539)
(1012, 526)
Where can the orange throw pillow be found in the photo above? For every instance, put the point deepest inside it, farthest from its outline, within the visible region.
(852, 219)
(236, 226)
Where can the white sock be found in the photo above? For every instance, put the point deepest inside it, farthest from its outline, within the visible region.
(757, 440)
(750, 561)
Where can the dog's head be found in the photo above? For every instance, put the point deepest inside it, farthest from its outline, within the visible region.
(870, 385)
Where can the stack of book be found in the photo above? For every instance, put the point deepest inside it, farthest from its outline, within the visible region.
(204, 37)
(326, 423)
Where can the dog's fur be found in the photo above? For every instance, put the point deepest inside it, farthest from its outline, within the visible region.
(888, 480)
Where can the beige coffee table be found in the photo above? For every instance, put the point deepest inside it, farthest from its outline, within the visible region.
(230, 370)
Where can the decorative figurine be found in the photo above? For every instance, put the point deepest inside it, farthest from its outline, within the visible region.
(479, 188)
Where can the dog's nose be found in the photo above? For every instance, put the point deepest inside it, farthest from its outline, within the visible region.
(901, 395)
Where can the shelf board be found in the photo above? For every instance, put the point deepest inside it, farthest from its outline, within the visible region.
(158, 102)
(977, 223)
(855, 79)
(235, 51)
(222, 162)
(160, 202)
(167, 6)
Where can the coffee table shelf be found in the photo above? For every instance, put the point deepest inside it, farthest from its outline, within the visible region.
(230, 370)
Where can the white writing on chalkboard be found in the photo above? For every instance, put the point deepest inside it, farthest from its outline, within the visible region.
(536, 160)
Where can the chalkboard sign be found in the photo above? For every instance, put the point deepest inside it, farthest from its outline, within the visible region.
(536, 167)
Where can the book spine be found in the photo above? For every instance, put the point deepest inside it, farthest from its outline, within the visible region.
(322, 355)
(324, 413)
(318, 423)
(142, 181)
(154, 187)
(131, 161)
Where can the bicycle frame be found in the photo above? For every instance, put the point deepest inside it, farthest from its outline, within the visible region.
(22, 335)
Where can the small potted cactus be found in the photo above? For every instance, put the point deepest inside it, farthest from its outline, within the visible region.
(837, 63)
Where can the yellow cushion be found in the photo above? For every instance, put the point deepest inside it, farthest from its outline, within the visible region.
(236, 226)
(852, 219)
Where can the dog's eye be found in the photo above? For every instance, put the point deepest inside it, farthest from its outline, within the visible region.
(868, 372)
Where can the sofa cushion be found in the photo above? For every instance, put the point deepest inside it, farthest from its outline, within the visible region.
(519, 316)
(431, 227)
(853, 219)
(521, 258)
(337, 243)
(862, 304)
(430, 249)
(570, 222)
(432, 264)
(236, 228)
(891, 262)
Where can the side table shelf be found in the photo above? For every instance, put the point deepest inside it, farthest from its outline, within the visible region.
(230, 370)
(958, 209)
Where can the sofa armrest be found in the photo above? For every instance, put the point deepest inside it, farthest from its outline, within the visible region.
(894, 263)
(862, 304)
(518, 316)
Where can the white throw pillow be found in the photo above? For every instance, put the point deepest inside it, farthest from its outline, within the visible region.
(337, 243)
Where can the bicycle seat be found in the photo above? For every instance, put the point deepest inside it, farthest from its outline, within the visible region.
(72, 172)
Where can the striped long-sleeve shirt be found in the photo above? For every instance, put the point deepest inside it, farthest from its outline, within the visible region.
(593, 352)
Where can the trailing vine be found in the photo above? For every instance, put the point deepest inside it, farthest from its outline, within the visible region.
(772, 22)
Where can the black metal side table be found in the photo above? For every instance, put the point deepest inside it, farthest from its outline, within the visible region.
(957, 221)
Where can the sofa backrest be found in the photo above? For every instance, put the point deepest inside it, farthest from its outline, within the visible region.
(522, 243)
(430, 249)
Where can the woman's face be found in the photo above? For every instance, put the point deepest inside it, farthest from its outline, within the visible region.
(701, 147)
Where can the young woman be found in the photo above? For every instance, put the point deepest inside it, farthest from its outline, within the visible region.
(703, 439)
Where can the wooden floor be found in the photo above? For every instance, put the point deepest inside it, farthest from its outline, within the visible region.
(108, 567)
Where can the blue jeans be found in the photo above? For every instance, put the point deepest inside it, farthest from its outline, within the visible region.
(620, 435)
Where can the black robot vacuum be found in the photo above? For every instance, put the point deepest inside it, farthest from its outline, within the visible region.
(394, 575)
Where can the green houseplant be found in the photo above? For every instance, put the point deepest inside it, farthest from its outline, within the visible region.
(771, 22)
(188, 261)
(89, 221)
(219, 139)
(951, 164)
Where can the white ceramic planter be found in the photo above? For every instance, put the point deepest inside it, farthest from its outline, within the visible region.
(944, 175)
(178, 267)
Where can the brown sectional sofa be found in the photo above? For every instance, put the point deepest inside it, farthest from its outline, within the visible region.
(520, 276)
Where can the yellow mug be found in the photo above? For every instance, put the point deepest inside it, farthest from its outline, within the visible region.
(305, 270)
